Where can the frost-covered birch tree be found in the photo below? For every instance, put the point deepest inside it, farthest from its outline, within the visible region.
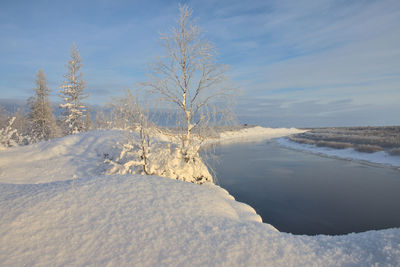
(42, 122)
(72, 91)
(189, 78)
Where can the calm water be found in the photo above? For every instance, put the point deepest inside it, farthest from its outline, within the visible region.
(302, 193)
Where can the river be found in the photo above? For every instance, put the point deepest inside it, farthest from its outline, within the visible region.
(303, 193)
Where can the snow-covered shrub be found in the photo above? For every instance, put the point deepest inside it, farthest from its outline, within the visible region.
(10, 137)
(161, 158)
(126, 160)
(151, 151)
(8, 134)
(21, 123)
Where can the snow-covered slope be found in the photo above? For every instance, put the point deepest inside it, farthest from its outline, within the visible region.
(72, 156)
(133, 220)
(153, 221)
(380, 157)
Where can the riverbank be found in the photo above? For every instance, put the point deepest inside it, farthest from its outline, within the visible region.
(378, 158)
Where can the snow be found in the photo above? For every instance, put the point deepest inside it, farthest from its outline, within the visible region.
(380, 157)
(57, 209)
(152, 155)
(254, 134)
(78, 155)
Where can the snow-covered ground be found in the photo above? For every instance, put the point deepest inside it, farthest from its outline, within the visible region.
(254, 133)
(380, 157)
(73, 156)
(57, 209)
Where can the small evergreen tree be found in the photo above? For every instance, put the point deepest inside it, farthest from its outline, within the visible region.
(72, 95)
(43, 123)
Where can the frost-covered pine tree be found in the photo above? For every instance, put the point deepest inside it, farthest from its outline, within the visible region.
(72, 95)
(43, 123)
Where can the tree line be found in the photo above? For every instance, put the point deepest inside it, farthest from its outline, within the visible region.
(40, 124)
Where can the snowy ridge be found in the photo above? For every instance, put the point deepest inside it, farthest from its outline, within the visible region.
(57, 209)
(380, 157)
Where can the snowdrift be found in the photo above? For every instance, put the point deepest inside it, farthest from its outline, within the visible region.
(47, 218)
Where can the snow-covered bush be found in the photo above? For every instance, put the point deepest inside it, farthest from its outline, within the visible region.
(149, 150)
(8, 134)
(10, 137)
(161, 158)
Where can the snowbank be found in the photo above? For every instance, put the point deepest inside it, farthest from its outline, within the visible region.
(153, 221)
(130, 220)
(255, 134)
(380, 157)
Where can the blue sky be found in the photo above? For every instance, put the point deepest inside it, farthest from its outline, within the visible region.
(297, 63)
